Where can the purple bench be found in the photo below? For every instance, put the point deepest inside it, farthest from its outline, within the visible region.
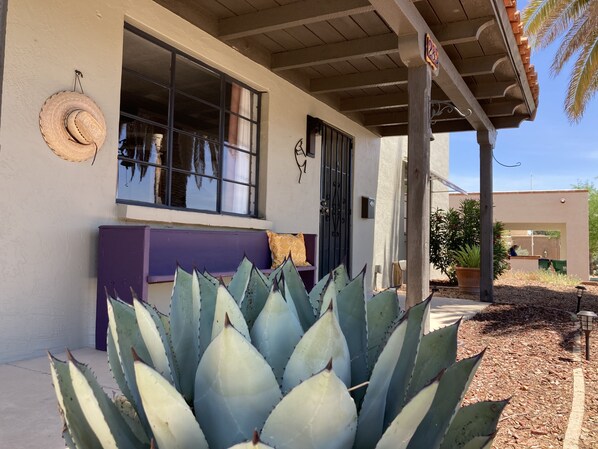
(132, 257)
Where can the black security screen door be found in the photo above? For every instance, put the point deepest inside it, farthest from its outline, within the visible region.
(335, 204)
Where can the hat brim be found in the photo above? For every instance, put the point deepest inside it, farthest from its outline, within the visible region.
(52, 124)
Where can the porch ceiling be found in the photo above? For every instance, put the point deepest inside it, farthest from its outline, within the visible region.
(346, 53)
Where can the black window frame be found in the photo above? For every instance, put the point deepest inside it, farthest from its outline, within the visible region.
(220, 142)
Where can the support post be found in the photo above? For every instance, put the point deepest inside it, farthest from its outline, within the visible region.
(418, 190)
(486, 140)
(3, 13)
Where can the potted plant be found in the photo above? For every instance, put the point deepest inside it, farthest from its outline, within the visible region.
(467, 268)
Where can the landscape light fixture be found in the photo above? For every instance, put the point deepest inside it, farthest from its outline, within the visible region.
(586, 319)
(580, 290)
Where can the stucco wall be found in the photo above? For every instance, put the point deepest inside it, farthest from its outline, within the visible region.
(552, 210)
(51, 208)
(390, 228)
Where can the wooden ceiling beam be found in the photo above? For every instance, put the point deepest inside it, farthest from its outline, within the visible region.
(482, 65)
(461, 32)
(502, 108)
(339, 51)
(438, 127)
(385, 101)
(290, 15)
(361, 80)
(492, 90)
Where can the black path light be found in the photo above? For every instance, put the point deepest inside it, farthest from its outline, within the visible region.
(586, 319)
(580, 290)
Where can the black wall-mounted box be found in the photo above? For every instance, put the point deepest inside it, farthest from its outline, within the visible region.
(368, 207)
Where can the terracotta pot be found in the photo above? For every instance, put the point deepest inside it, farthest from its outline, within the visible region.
(469, 280)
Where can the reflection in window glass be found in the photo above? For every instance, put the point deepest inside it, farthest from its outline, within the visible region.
(146, 58)
(236, 165)
(140, 182)
(142, 142)
(194, 191)
(235, 198)
(183, 142)
(195, 80)
(196, 154)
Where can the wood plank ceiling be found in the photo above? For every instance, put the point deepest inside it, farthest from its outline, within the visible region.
(342, 52)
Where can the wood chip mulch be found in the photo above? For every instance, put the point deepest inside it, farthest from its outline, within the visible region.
(529, 340)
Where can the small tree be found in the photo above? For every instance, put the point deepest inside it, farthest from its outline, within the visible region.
(453, 229)
(593, 220)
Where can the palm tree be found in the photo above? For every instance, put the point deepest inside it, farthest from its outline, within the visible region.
(575, 23)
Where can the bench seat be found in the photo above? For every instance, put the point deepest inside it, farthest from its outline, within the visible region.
(132, 257)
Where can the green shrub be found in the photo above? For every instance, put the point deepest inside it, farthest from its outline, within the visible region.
(453, 229)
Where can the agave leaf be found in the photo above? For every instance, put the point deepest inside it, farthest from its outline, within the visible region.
(172, 421)
(251, 445)
(482, 442)
(329, 295)
(240, 280)
(315, 295)
(322, 342)
(208, 292)
(78, 432)
(401, 430)
(109, 426)
(319, 413)
(68, 440)
(382, 311)
(125, 332)
(115, 366)
(403, 370)
(129, 414)
(352, 319)
(276, 333)
(275, 274)
(288, 297)
(437, 351)
(475, 420)
(371, 417)
(213, 280)
(184, 321)
(294, 284)
(452, 389)
(235, 390)
(226, 305)
(255, 296)
(155, 339)
(341, 277)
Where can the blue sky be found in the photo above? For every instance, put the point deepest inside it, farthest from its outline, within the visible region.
(554, 153)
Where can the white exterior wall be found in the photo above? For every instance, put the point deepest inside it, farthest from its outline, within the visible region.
(51, 208)
(390, 238)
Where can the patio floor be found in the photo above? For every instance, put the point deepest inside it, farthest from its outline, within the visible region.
(29, 411)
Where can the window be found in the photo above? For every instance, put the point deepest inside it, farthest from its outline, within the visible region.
(188, 133)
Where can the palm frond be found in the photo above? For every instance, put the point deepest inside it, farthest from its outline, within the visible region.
(540, 13)
(582, 86)
(560, 24)
(572, 43)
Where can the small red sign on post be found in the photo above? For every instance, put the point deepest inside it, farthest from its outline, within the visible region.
(431, 53)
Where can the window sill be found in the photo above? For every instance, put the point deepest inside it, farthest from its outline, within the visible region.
(131, 212)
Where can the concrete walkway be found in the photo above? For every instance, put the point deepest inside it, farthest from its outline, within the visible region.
(28, 407)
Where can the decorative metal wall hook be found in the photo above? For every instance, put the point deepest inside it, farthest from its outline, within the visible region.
(78, 76)
(300, 154)
(439, 107)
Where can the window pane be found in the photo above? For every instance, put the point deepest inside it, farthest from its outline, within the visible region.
(236, 165)
(143, 142)
(143, 98)
(196, 117)
(140, 182)
(194, 191)
(194, 154)
(235, 198)
(240, 133)
(146, 58)
(193, 79)
(241, 101)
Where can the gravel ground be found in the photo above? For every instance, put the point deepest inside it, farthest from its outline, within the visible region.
(529, 337)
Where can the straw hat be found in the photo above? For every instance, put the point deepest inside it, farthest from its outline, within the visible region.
(72, 125)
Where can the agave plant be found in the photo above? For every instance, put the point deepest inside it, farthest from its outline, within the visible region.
(262, 363)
